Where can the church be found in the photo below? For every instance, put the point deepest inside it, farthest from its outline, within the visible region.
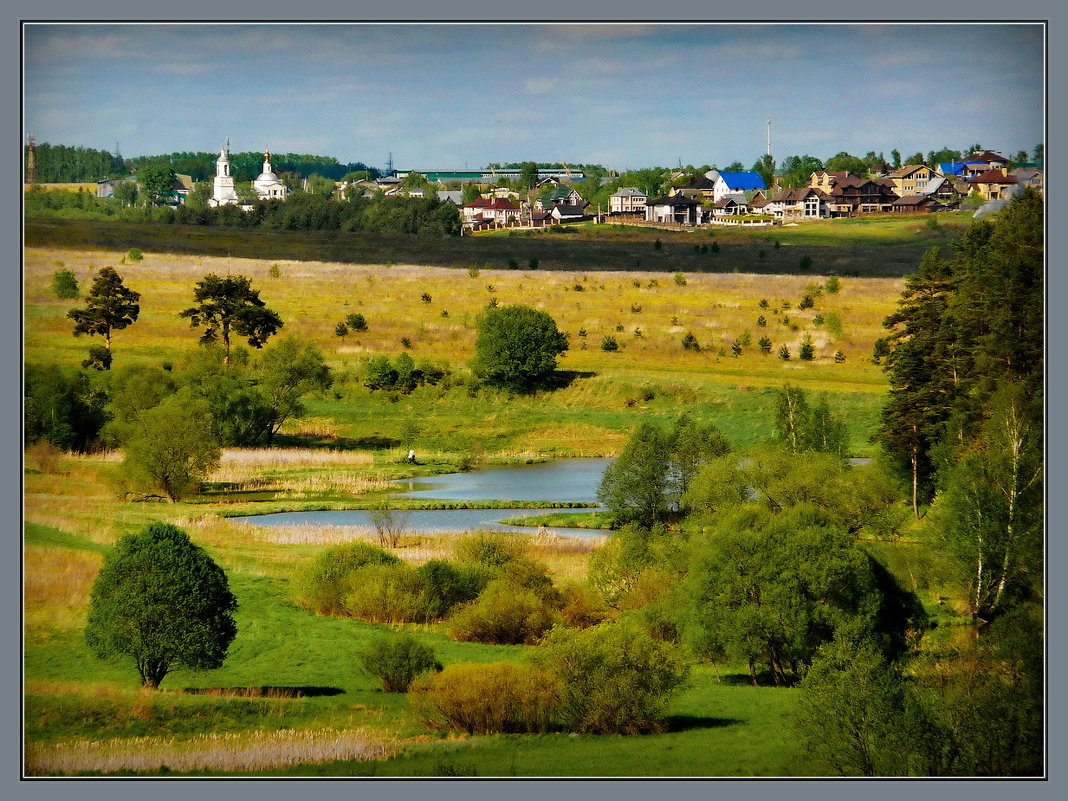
(266, 185)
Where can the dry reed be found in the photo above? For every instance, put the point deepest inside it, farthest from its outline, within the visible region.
(209, 752)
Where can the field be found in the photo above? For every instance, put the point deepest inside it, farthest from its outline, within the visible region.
(291, 698)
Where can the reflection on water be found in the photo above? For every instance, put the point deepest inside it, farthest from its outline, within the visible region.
(563, 481)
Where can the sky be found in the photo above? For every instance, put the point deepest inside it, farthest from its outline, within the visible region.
(460, 96)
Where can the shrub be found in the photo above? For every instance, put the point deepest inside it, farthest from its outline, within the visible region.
(341, 330)
(473, 272)
(805, 263)
(99, 358)
(763, 303)
(635, 308)
(839, 357)
(385, 593)
(784, 353)
(657, 245)
(327, 580)
(532, 264)
(609, 343)
(445, 584)
(736, 349)
(134, 254)
(492, 549)
(833, 285)
(880, 350)
(745, 339)
(494, 698)
(274, 272)
(356, 322)
(425, 297)
(616, 678)
(64, 284)
(764, 343)
(397, 660)
(680, 279)
(503, 615)
(406, 342)
(834, 324)
(762, 321)
(807, 351)
(715, 247)
(806, 302)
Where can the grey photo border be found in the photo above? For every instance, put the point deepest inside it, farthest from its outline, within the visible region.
(551, 11)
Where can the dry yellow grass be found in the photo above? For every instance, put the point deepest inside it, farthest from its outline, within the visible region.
(56, 587)
(212, 752)
(311, 297)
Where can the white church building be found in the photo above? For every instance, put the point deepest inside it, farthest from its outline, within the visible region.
(266, 185)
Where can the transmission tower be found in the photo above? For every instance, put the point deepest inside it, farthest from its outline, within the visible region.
(31, 161)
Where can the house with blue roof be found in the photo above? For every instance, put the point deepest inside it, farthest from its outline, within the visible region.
(736, 183)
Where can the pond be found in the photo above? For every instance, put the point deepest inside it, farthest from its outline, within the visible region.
(562, 481)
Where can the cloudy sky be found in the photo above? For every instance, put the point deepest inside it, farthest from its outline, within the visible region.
(460, 96)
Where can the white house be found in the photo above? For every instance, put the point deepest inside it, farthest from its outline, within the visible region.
(627, 200)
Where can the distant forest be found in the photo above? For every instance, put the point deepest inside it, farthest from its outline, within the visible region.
(63, 164)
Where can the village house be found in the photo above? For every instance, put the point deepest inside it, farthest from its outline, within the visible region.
(675, 209)
(560, 196)
(850, 196)
(700, 187)
(628, 200)
(825, 181)
(910, 179)
(564, 213)
(736, 183)
(1028, 177)
(731, 206)
(483, 210)
(994, 185)
(914, 204)
(804, 203)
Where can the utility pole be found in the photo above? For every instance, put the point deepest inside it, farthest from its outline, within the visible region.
(769, 136)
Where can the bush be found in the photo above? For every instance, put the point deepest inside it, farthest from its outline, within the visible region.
(397, 660)
(328, 579)
(356, 322)
(503, 615)
(764, 343)
(680, 279)
(807, 351)
(833, 285)
(609, 344)
(806, 302)
(64, 284)
(99, 358)
(492, 549)
(341, 330)
(616, 678)
(494, 698)
(385, 593)
(784, 353)
(445, 584)
(805, 263)
(134, 254)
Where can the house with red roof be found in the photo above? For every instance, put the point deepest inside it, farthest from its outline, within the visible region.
(994, 185)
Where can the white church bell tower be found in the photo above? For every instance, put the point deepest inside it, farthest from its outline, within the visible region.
(224, 194)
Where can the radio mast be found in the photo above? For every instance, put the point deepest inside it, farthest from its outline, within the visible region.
(31, 160)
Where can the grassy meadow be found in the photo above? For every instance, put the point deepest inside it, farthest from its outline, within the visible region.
(292, 698)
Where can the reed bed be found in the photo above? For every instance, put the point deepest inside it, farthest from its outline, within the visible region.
(280, 458)
(222, 753)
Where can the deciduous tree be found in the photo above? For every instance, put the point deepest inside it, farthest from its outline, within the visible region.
(516, 347)
(161, 600)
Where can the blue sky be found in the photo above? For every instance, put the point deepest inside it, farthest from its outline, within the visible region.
(459, 96)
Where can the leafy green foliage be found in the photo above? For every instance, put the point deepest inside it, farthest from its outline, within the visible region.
(616, 678)
(767, 589)
(801, 427)
(161, 600)
(62, 406)
(516, 347)
(328, 579)
(171, 447)
(493, 698)
(64, 284)
(397, 660)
